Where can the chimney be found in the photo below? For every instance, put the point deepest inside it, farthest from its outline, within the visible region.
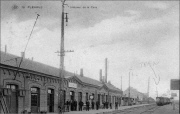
(100, 75)
(32, 58)
(105, 80)
(23, 54)
(81, 72)
(5, 48)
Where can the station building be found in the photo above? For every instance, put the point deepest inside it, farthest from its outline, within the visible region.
(34, 86)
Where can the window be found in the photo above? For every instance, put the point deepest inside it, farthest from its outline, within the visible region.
(86, 96)
(8, 86)
(11, 86)
(93, 96)
(34, 90)
(49, 91)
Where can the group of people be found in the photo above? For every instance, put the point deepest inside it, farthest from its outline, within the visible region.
(73, 105)
(116, 105)
(106, 105)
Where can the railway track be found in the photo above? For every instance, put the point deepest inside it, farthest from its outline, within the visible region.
(138, 110)
(150, 111)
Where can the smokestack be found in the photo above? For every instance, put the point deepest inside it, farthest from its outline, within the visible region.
(23, 54)
(102, 78)
(109, 82)
(100, 75)
(5, 48)
(32, 58)
(81, 72)
(105, 70)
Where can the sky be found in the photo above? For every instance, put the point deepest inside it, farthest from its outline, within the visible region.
(139, 38)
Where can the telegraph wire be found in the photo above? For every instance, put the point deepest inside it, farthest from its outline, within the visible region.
(26, 47)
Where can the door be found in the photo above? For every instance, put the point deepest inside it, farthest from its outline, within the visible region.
(79, 96)
(12, 100)
(106, 98)
(50, 100)
(64, 96)
(35, 100)
(87, 97)
(72, 95)
(99, 97)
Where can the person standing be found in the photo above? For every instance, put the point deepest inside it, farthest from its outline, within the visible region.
(107, 104)
(110, 105)
(92, 103)
(75, 105)
(104, 105)
(116, 105)
(97, 105)
(68, 104)
(72, 106)
(80, 105)
(87, 105)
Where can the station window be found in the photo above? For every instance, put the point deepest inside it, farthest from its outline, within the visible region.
(11, 86)
(34, 90)
(49, 91)
(86, 96)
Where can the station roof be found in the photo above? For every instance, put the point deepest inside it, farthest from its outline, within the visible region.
(112, 87)
(9, 59)
(13, 60)
(89, 80)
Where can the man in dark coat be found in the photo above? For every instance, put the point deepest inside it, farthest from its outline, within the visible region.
(110, 105)
(104, 103)
(116, 105)
(72, 105)
(75, 105)
(97, 105)
(80, 105)
(92, 103)
(107, 105)
(68, 104)
(87, 105)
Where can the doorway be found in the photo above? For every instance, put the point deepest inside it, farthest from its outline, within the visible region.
(72, 95)
(79, 96)
(99, 98)
(12, 100)
(35, 100)
(50, 100)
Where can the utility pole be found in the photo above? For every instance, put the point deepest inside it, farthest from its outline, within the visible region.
(129, 87)
(121, 83)
(61, 70)
(61, 97)
(106, 64)
(156, 91)
(148, 89)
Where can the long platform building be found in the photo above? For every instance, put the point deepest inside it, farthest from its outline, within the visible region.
(34, 86)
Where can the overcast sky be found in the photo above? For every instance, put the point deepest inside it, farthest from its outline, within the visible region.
(128, 33)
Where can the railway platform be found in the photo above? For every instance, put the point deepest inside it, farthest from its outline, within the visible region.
(103, 111)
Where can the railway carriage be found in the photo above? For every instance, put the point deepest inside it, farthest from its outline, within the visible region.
(160, 101)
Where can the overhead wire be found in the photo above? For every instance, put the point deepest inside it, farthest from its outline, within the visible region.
(26, 47)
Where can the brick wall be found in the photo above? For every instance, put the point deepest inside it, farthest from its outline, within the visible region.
(26, 80)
